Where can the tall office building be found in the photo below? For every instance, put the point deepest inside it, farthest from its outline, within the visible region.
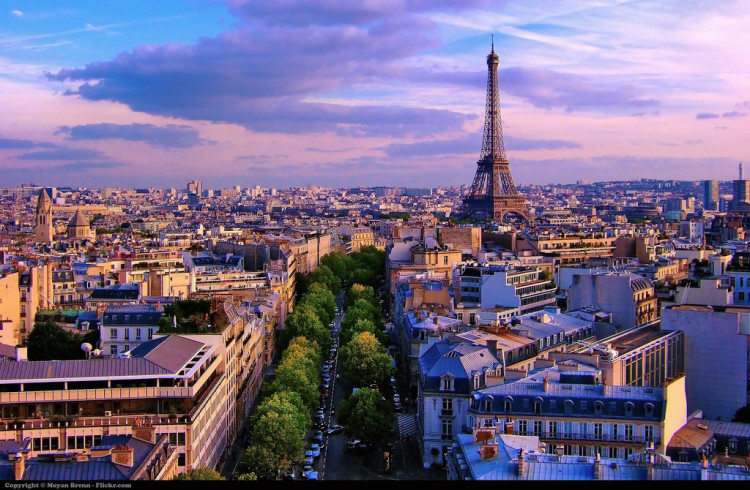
(741, 189)
(711, 195)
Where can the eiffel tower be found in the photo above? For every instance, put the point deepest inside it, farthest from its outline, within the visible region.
(493, 195)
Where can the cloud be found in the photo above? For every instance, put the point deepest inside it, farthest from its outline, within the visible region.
(17, 13)
(706, 115)
(547, 88)
(170, 136)
(470, 144)
(734, 114)
(241, 77)
(13, 144)
(63, 154)
(329, 12)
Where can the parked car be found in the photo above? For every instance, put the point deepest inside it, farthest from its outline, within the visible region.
(398, 408)
(318, 437)
(315, 448)
(308, 459)
(396, 398)
(313, 475)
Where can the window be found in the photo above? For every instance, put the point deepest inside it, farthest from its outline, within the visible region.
(447, 406)
(648, 433)
(113, 350)
(448, 383)
(741, 296)
(538, 428)
(537, 406)
(150, 333)
(598, 431)
(138, 334)
(523, 427)
(507, 405)
(629, 432)
(113, 333)
(447, 429)
(598, 407)
(445, 259)
(553, 428)
(127, 334)
(615, 430)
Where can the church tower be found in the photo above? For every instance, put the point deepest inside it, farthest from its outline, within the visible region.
(43, 226)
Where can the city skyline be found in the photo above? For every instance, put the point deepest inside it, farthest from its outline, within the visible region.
(290, 93)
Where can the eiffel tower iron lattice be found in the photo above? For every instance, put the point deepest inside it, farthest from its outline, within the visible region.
(493, 195)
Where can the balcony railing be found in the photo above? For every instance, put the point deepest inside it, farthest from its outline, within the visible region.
(95, 394)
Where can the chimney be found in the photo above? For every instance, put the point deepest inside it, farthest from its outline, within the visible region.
(508, 427)
(487, 451)
(520, 464)
(492, 347)
(597, 467)
(123, 455)
(21, 353)
(144, 432)
(545, 384)
(19, 466)
(435, 320)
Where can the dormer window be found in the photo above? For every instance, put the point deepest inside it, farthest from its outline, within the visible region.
(598, 406)
(447, 384)
(649, 410)
(629, 409)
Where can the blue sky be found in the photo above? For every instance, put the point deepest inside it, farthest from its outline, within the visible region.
(388, 92)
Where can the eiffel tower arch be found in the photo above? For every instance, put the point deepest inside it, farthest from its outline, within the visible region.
(493, 195)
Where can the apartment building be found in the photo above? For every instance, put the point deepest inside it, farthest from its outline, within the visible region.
(196, 389)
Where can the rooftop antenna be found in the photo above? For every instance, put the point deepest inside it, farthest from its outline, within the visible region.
(493, 42)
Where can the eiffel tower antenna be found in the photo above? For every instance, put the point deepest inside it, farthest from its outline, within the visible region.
(493, 195)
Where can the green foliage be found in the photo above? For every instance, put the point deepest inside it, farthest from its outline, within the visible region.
(366, 416)
(366, 361)
(304, 321)
(48, 341)
(339, 263)
(742, 415)
(277, 441)
(191, 317)
(294, 377)
(200, 473)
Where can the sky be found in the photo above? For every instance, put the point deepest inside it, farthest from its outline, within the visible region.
(338, 93)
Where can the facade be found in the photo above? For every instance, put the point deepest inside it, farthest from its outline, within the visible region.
(10, 309)
(124, 327)
(711, 195)
(567, 405)
(196, 389)
(448, 372)
(716, 356)
(79, 227)
(629, 297)
(525, 288)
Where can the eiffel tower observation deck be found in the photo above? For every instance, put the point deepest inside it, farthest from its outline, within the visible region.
(493, 195)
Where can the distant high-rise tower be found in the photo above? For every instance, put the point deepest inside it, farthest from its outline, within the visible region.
(43, 224)
(493, 195)
(741, 189)
(711, 195)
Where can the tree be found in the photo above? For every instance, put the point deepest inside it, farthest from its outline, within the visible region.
(304, 321)
(294, 377)
(367, 416)
(366, 361)
(200, 473)
(48, 341)
(276, 443)
(742, 415)
(340, 265)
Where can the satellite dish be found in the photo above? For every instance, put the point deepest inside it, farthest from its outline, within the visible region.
(86, 347)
